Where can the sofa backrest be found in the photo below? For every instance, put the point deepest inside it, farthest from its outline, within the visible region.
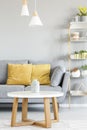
(4, 65)
(53, 63)
(4, 70)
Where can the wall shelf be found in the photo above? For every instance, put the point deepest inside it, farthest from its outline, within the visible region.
(78, 93)
(79, 40)
(81, 29)
(78, 25)
(81, 76)
(72, 57)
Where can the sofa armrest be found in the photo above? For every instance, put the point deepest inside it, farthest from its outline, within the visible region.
(64, 86)
(65, 82)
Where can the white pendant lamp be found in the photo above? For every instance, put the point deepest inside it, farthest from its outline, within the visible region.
(24, 11)
(35, 20)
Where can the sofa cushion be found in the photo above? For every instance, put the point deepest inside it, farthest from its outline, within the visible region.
(57, 76)
(45, 88)
(41, 72)
(3, 68)
(4, 89)
(19, 74)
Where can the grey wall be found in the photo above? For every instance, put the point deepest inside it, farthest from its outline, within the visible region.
(18, 41)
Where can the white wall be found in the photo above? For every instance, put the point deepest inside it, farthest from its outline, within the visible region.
(18, 41)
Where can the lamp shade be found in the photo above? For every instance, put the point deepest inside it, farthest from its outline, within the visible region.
(25, 11)
(35, 20)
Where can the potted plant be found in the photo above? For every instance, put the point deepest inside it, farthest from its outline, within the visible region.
(83, 54)
(82, 13)
(84, 70)
(76, 55)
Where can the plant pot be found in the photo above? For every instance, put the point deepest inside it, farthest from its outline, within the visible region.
(84, 73)
(76, 56)
(77, 18)
(83, 18)
(80, 55)
(84, 55)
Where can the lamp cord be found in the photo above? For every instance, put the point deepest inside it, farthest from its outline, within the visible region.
(35, 5)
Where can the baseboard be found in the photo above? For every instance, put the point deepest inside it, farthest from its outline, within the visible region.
(73, 105)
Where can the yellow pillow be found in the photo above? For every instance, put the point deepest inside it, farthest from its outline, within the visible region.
(41, 73)
(19, 74)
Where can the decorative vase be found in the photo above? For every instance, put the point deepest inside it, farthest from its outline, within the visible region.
(77, 18)
(83, 18)
(75, 73)
(75, 36)
(35, 86)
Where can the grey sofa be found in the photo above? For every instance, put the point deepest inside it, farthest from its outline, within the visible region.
(4, 88)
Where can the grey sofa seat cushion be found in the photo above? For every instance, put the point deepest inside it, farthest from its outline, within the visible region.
(4, 89)
(4, 70)
(57, 76)
(45, 88)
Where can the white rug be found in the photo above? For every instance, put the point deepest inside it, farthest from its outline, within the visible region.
(62, 125)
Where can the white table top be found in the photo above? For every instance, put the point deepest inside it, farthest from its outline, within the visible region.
(29, 94)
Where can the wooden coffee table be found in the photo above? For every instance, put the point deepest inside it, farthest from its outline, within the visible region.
(25, 95)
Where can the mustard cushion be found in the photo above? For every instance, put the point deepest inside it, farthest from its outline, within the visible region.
(19, 74)
(41, 73)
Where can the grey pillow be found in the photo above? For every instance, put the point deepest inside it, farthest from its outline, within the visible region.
(57, 76)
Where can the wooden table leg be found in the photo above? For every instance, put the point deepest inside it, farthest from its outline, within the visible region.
(24, 114)
(25, 121)
(14, 112)
(24, 109)
(47, 113)
(55, 109)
